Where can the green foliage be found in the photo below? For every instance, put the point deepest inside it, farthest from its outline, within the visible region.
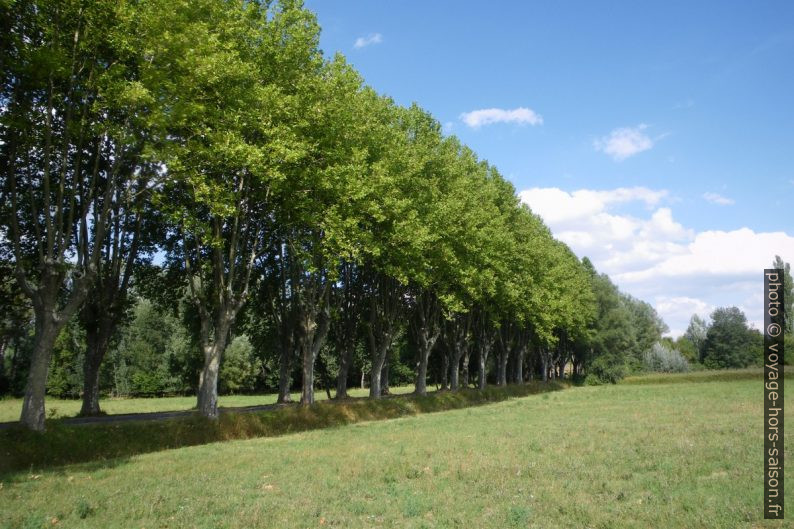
(606, 369)
(663, 358)
(274, 165)
(83, 509)
(150, 353)
(66, 372)
(729, 341)
(240, 367)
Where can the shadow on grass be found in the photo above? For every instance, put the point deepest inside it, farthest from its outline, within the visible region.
(111, 444)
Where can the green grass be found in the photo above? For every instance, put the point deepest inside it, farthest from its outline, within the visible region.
(10, 409)
(65, 443)
(726, 375)
(684, 455)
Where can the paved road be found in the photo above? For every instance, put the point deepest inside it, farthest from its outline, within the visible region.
(155, 416)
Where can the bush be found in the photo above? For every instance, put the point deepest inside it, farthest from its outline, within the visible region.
(606, 369)
(663, 359)
(239, 367)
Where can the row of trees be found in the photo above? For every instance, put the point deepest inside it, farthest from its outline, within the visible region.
(205, 155)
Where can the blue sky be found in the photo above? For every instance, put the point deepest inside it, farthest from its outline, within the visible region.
(656, 139)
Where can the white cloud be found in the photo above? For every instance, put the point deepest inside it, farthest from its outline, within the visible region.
(716, 198)
(488, 116)
(556, 205)
(655, 258)
(363, 42)
(624, 142)
(681, 309)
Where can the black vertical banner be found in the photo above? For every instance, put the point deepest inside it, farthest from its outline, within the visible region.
(773, 393)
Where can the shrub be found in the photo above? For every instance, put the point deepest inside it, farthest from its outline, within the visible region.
(606, 369)
(664, 359)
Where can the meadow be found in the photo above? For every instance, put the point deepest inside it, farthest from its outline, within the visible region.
(675, 453)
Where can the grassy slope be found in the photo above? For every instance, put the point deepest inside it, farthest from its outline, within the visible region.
(665, 455)
(58, 408)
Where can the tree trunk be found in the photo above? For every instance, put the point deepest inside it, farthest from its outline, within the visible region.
(208, 384)
(313, 332)
(3, 344)
(97, 343)
(363, 377)
(445, 371)
(502, 375)
(519, 364)
(379, 343)
(374, 382)
(214, 347)
(33, 413)
(454, 365)
(384, 377)
(285, 368)
(483, 360)
(345, 361)
(421, 372)
(307, 389)
(544, 362)
(466, 356)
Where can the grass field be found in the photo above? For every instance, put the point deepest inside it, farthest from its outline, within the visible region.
(59, 408)
(664, 455)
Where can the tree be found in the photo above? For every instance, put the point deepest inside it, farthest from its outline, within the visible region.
(228, 71)
(239, 369)
(70, 95)
(728, 341)
(788, 294)
(696, 334)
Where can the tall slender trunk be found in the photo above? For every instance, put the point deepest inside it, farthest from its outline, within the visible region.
(421, 371)
(426, 331)
(285, 367)
(485, 336)
(313, 330)
(482, 379)
(345, 361)
(379, 347)
(454, 367)
(518, 370)
(465, 370)
(384, 377)
(502, 375)
(3, 344)
(97, 343)
(544, 363)
(445, 370)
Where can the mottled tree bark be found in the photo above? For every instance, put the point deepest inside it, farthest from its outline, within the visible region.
(349, 299)
(384, 376)
(385, 306)
(426, 329)
(313, 323)
(285, 366)
(485, 335)
(97, 343)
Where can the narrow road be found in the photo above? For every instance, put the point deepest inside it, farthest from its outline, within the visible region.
(153, 416)
(165, 415)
